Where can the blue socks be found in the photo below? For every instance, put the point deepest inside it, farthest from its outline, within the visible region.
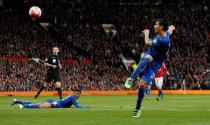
(27, 104)
(31, 106)
(140, 97)
(23, 102)
(141, 66)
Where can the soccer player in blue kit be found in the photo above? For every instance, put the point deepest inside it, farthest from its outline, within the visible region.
(152, 60)
(50, 103)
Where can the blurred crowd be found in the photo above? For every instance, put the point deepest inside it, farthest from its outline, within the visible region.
(80, 36)
(28, 76)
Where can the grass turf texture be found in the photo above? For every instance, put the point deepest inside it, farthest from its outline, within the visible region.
(113, 110)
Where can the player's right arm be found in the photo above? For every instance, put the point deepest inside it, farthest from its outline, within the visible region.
(147, 40)
(76, 104)
(81, 106)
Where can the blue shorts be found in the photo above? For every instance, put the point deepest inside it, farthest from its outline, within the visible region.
(149, 73)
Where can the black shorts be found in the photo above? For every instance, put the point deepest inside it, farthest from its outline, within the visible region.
(52, 76)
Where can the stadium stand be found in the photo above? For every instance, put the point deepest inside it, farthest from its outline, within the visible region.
(89, 57)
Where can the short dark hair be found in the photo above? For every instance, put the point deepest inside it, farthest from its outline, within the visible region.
(76, 90)
(164, 23)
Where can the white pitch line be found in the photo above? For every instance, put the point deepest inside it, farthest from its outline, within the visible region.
(109, 108)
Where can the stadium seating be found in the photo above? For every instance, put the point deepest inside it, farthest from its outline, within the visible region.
(98, 66)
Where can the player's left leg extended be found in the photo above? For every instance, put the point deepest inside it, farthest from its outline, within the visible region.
(22, 102)
(41, 105)
(59, 89)
(46, 104)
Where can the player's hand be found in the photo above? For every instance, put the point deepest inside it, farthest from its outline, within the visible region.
(146, 32)
(54, 66)
(167, 73)
(60, 66)
(171, 27)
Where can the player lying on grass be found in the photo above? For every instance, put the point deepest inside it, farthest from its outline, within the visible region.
(50, 103)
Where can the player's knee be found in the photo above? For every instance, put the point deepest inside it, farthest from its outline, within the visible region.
(45, 105)
(149, 58)
(142, 84)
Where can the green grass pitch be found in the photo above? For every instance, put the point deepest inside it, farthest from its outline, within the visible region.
(113, 110)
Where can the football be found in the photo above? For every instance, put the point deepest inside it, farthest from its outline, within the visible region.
(35, 12)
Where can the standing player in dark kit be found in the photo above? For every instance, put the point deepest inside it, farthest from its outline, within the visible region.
(53, 72)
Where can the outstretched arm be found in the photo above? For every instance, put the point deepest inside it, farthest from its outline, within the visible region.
(77, 105)
(81, 106)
